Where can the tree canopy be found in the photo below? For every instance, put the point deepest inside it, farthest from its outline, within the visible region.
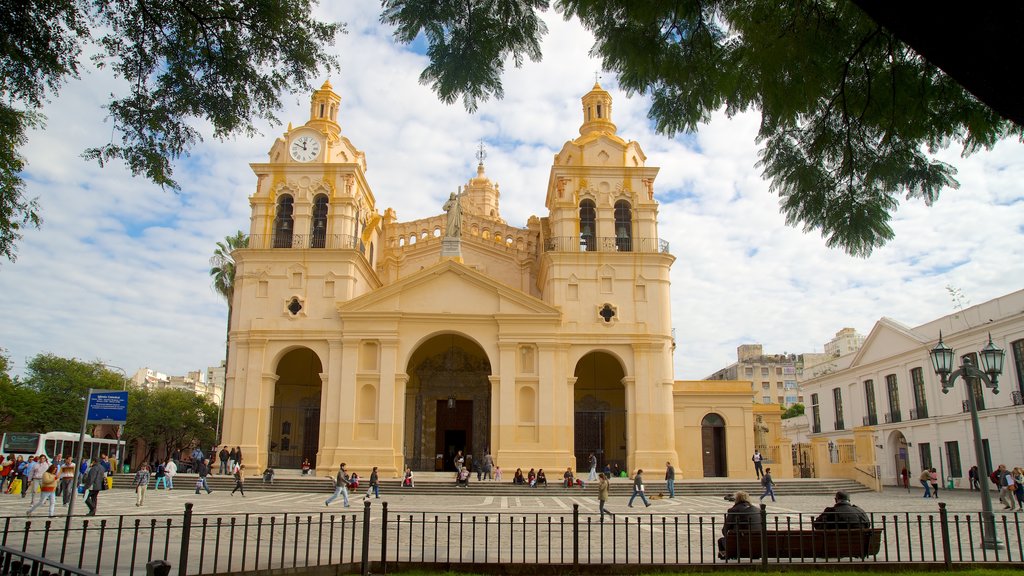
(851, 115)
(226, 63)
(793, 411)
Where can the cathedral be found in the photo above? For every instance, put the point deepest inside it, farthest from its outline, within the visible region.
(358, 337)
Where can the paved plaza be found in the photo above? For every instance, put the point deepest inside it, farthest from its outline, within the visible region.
(553, 500)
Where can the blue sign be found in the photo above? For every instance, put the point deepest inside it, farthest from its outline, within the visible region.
(107, 407)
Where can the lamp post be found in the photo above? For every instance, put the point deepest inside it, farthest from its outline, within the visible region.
(991, 367)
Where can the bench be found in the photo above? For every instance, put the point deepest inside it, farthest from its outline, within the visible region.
(782, 544)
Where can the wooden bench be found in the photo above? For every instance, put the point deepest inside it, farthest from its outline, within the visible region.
(782, 544)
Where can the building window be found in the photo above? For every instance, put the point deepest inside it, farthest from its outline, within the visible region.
(623, 226)
(283, 225)
(920, 400)
(975, 383)
(815, 415)
(925, 450)
(318, 228)
(837, 399)
(766, 399)
(1017, 347)
(953, 459)
(588, 226)
(869, 398)
(893, 390)
(765, 386)
(778, 370)
(764, 372)
(749, 372)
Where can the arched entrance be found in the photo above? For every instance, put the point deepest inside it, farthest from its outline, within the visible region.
(712, 443)
(448, 403)
(900, 450)
(600, 411)
(294, 433)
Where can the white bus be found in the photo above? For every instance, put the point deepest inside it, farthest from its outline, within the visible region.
(53, 443)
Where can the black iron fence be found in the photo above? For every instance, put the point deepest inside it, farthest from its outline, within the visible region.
(377, 538)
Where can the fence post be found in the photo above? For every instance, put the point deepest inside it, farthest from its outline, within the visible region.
(186, 534)
(947, 555)
(365, 571)
(764, 534)
(576, 538)
(384, 538)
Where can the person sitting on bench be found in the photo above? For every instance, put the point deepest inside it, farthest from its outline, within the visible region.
(744, 516)
(842, 516)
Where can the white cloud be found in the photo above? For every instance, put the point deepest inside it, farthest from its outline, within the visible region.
(119, 271)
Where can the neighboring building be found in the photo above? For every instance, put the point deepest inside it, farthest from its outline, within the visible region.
(884, 404)
(773, 377)
(360, 338)
(194, 382)
(846, 341)
(215, 384)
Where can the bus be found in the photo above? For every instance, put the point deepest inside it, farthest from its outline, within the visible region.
(51, 444)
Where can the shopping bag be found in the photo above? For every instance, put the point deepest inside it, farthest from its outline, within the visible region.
(16, 486)
(81, 488)
(108, 483)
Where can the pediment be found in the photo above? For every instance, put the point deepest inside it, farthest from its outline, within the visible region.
(888, 338)
(448, 288)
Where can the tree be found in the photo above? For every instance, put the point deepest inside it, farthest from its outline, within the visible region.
(170, 418)
(225, 62)
(793, 411)
(58, 389)
(850, 114)
(16, 403)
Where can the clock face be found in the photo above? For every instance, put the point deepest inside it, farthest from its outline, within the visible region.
(305, 148)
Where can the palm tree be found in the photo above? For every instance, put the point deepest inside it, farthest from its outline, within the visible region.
(222, 271)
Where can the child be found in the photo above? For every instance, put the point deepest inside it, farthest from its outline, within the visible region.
(497, 473)
(407, 482)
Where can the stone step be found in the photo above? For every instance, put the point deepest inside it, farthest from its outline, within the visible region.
(444, 484)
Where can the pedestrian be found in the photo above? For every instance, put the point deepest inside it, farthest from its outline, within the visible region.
(340, 486)
(756, 459)
(592, 461)
(567, 479)
(27, 471)
(541, 477)
(170, 469)
(374, 484)
(95, 479)
(204, 471)
(5, 471)
(232, 459)
(769, 484)
(1018, 486)
(532, 478)
(197, 454)
(161, 476)
(497, 473)
(238, 456)
(66, 472)
(488, 466)
(140, 483)
(972, 478)
(47, 487)
(926, 481)
(239, 480)
(933, 478)
(1006, 488)
(638, 489)
(36, 477)
(460, 461)
(306, 466)
(905, 475)
(670, 479)
(603, 488)
(407, 481)
(224, 455)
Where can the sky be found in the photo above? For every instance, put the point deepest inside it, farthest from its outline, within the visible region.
(119, 272)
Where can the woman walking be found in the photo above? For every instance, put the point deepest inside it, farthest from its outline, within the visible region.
(47, 487)
(602, 494)
(239, 480)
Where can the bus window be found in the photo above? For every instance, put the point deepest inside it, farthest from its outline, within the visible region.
(50, 447)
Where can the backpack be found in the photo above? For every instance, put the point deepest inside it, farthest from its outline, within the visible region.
(994, 477)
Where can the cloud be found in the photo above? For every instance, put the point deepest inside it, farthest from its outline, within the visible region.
(119, 271)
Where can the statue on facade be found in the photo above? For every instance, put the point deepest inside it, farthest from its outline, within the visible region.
(453, 207)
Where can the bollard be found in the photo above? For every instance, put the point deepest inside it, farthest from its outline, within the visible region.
(158, 568)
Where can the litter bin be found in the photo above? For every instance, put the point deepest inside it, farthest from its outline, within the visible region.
(949, 483)
(158, 568)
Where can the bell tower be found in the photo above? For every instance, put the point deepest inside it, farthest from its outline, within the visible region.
(597, 111)
(323, 110)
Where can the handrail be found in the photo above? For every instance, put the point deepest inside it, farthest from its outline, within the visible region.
(6, 560)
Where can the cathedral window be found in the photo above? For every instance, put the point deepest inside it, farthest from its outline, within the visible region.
(607, 312)
(283, 224)
(588, 226)
(623, 226)
(294, 306)
(599, 111)
(318, 231)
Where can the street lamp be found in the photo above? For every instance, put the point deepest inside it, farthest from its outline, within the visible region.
(991, 368)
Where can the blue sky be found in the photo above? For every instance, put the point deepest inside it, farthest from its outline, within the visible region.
(119, 271)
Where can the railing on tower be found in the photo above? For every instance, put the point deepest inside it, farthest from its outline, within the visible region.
(305, 241)
(589, 243)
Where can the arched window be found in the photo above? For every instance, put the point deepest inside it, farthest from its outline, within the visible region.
(283, 225)
(623, 226)
(318, 231)
(588, 226)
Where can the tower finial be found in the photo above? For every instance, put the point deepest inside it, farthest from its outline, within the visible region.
(597, 78)
(481, 153)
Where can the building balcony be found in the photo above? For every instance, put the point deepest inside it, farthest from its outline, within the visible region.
(918, 413)
(1017, 397)
(840, 425)
(893, 417)
(965, 407)
(605, 244)
(306, 241)
(816, 429)
(871, 420)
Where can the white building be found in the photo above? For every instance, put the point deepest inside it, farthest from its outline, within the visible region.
(889, 390)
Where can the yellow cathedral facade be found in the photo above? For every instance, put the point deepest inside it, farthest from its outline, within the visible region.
(359, 338)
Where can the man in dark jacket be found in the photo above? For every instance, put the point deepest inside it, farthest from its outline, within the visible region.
(204, 471)
(94, 480)
(842, 516)
(743, 517)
